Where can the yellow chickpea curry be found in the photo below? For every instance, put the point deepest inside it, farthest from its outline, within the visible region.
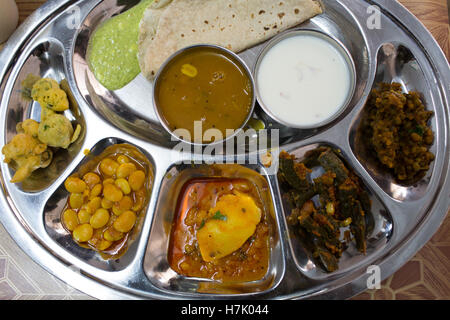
(107, 199)
(220, 231)
(204, 84)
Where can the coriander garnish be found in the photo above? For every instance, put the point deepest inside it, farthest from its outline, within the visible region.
(219, 216)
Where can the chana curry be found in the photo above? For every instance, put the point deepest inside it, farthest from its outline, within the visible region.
(107, 199)
(204, 85)
(220, 231)
(398, 133)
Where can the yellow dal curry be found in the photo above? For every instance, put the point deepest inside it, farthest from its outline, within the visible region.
(204, 84)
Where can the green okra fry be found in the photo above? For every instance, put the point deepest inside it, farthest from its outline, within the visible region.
(350, 207)
(358, 227)
(287, 168)
(331, 162)
(366, 205)
(327, 260)
(320, 232)
(342, 203)
(347, 193)
(328, 223)
(311, 158)
(301, 198)
(322, 186)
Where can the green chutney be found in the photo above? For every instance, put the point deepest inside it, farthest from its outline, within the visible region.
(113, 48)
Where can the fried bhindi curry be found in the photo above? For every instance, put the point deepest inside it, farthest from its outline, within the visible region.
(325, 205)
(397, 132)
(31, 149)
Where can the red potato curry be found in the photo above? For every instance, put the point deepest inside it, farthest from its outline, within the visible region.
(198, 206)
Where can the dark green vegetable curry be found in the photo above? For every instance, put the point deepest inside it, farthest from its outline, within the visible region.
(342, 202)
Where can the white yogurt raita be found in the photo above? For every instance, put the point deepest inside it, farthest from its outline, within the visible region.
(303, 80)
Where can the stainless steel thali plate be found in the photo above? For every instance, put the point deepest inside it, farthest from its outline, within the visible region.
(53, 43)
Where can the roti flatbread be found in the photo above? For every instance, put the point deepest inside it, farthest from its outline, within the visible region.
(169, 25)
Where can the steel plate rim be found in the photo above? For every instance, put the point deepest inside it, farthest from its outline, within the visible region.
(424, 232)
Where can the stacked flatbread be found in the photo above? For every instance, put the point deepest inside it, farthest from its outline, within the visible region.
(170, 25)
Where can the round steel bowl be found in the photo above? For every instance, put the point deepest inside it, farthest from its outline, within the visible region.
(227, 53)
(335, 43)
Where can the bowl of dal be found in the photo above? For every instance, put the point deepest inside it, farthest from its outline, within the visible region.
(204, 94)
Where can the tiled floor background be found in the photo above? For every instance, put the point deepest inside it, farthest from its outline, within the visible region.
(426, 276)
(21, 278)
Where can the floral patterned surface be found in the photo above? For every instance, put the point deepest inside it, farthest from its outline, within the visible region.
(425, 276)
